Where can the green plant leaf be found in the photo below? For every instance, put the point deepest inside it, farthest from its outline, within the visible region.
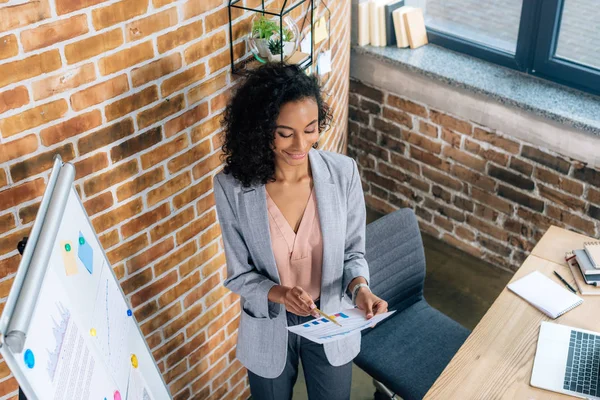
(275, 46)
(263, 28)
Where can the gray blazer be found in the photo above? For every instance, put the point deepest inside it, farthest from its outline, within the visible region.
(251, 268)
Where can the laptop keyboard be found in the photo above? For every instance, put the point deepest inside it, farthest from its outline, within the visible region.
(582, 364)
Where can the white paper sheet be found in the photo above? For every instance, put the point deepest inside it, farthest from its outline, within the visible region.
(322, 330)
(305, 43)
(112, 326)
(324, 62)
(63, 364)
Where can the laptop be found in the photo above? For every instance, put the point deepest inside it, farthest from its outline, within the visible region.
(567, 361)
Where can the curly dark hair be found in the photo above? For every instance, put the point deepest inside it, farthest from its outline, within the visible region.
(249, 120)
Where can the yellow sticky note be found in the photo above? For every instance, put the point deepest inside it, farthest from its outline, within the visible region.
(321, 30)
(93, 332)
(68, 256)
(134, 361)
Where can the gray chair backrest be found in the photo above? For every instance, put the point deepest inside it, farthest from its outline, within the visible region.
(394, 252)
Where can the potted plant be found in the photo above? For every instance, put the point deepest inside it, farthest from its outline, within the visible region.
(266, 42)
(286, 45)
(262, 30)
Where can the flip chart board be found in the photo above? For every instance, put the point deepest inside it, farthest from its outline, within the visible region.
(67, 331)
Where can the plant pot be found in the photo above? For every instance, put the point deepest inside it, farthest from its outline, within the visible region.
(288, 50)
(262, 45)
(275, 57)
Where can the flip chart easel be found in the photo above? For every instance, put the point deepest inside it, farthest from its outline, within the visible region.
(66, 331)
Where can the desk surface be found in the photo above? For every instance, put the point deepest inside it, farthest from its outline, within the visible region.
(496, 360)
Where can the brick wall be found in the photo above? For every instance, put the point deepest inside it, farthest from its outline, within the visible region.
(480, 190)
(132, 92)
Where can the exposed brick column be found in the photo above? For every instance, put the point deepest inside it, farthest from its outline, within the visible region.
(132, 92)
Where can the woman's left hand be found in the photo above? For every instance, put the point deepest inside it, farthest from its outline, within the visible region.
(370, 303)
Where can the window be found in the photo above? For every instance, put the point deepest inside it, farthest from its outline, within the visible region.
(554, 39)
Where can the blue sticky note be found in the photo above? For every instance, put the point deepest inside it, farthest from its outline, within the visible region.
(315, 323)
(325, 320)
(306, 325)
(29, 358)
(86, 254)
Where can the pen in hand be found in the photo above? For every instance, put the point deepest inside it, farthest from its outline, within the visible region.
(565, 282)
(328, 317)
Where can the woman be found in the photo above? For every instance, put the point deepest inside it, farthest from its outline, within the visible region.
(293, 225)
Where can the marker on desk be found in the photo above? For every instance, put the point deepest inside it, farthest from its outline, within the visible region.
(565, 282)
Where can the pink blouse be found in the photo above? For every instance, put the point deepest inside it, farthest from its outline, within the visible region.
(298, 256)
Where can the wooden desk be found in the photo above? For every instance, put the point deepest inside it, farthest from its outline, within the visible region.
(496, 360)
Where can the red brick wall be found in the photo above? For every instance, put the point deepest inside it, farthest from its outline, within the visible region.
(132, 93)
(482, 191)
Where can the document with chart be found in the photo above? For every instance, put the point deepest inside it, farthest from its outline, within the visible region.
(352, 321)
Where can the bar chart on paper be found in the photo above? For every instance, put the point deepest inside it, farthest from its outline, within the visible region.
(322, 330)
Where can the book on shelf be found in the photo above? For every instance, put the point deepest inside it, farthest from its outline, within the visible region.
(390, 33)
(381, 23)
(415, 28)
(377, 22)
(400, 26)
(373, 24)
(363, 23)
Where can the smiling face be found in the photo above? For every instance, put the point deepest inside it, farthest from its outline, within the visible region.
(297, 130)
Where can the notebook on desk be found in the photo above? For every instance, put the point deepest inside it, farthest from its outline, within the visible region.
(545, 294)
(585, 286)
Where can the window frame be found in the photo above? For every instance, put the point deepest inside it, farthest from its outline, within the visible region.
(536, 43)
(546, 65)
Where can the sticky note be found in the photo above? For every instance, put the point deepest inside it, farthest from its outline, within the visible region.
(320, 30)
(324, 63)
(117, 395)
(93, 332)
(68, 256)
(134, 361)
(129, 313)
(29, 359)
(305, 43)
(85, 253)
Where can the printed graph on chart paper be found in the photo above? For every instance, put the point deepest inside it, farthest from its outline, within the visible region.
(323, 331)
(110, 326)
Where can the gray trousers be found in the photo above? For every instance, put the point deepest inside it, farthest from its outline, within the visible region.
(323, 380)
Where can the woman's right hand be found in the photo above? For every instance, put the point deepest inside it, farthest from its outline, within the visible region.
(299, 302)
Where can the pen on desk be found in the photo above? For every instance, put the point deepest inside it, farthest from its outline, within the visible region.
(565, 282)
(328, 317)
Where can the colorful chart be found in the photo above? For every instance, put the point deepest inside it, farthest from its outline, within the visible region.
(350, 321)
(68, 256)
(112, 325)
(324, 320)
(86, 253)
